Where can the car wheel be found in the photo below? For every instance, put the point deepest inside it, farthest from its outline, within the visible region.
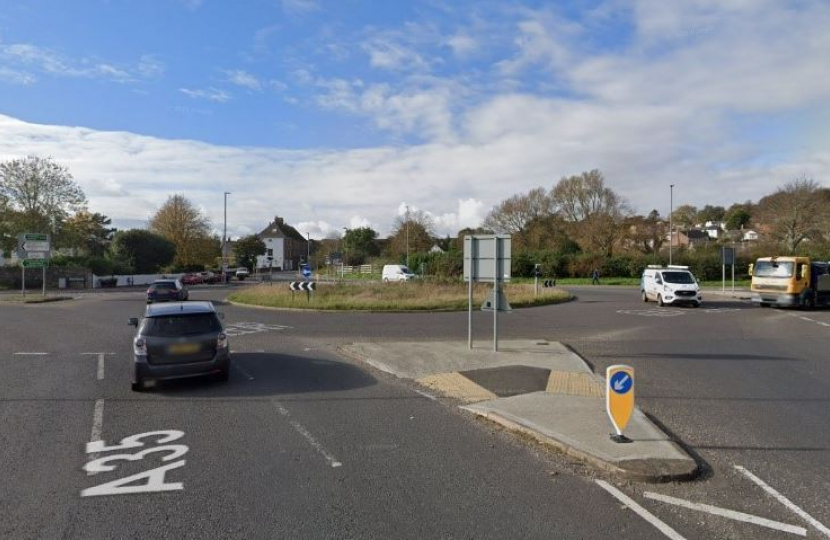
(645, 297)
(809, 302)
(660, 300)
(223, 375)
(696, 305)
(138, 386)
(386, 280)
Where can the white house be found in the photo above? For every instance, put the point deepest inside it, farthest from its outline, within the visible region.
(750, 236)
(285, 247)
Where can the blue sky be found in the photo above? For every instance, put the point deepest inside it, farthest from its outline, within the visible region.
(339, 113)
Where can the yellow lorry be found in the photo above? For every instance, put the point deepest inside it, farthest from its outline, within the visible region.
(790, 282)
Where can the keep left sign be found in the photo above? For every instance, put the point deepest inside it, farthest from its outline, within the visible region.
(619, 397)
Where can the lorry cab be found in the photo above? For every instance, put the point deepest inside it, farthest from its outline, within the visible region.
(790, 282)
(670, 285)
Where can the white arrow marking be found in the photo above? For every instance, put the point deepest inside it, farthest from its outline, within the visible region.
(618, 385)
(731, 514)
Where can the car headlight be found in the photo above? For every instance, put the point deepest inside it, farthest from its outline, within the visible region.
(140, 347)
(666, 288)
(222, 341)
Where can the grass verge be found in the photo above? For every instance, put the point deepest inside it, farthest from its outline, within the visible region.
(32, 298)
(412, 296)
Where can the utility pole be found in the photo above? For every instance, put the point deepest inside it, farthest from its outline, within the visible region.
(407, 236)
(343, 256)
(671, 211)
(225, 240)
(308, 249)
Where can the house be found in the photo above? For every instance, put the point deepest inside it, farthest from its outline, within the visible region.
(750, 236)
(714, 229)
(285, 247)
(436, 249)
(689, 239)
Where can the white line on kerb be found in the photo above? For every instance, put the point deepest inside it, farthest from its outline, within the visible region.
(242, 371)
(639, 510)
(731, 514)
(785, 501)
(308, 436)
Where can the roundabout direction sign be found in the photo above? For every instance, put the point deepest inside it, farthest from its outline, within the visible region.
(619, 399)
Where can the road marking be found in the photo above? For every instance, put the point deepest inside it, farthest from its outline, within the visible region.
(245, 328)
(785, 501)
(244, 373)
(808, 319)
(332, 461)
(426, 395)
(652, 312)
(97, 426)
(31, 353)
(640, 511)
(731, 514)
(101, 367)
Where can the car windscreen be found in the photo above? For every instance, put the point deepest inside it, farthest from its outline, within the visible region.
(682, 278)
(188, 324)
(774, 269)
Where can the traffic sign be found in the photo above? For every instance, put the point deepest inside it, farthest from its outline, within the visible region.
(303, 285)
(306, 270)
(619, 398)
(35, 263)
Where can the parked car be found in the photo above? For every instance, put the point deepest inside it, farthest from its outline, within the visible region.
(179, 340)
(210, 277)
(167, 290)
(192, 279)
(242, 273)
(396, 272)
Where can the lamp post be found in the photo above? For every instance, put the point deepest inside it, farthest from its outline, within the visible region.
(225, 240)
(308, 249)
(407, 236)
(343, 262)
(671, 211)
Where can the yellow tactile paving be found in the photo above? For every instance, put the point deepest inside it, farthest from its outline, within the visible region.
(457, 386)
(574, 383)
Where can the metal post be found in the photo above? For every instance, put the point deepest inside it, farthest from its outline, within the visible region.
(671, 211)
(225, 240)
(44, 280)
(535, 284)
(407, 236)
(23, 284)
(723, 282)
(733, 272)
(496, 278)
(308, 249)
(470, 312)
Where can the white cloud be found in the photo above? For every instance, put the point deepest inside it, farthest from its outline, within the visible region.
(244, 79)
(462, 45)
(16, 77)
(210, 94)
(299, 7)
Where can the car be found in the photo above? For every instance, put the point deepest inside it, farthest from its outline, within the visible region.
(209, 277)
(242, 273)
(167, 290)
(670, 285)
(192, 279)
(396, 272)
(179, 340)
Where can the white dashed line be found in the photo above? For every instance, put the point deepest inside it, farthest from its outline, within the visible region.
(242, 371)
(785, 501)
(640, 511)
(731, 514)
(100, 367)
(31, 353)
(332, 461)
(426, 395)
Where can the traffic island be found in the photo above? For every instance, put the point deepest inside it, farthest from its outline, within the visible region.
(538, 388)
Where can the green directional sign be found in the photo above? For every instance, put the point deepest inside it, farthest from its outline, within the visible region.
(35, 263)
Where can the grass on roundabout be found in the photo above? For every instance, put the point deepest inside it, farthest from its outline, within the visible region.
(410, 296)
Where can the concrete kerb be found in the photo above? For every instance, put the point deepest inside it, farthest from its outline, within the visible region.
(567, 415)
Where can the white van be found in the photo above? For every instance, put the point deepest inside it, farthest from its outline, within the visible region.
(670, 285)
(396, 272)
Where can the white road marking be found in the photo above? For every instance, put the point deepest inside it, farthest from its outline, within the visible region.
(640, 511)
(785, 501)
(242, 371)
(332, 461)
(652, 312)
(808, 319)
(245, 328)
(31, 353)
(97, 426)
(731, 514)
(426, 395)
(101, 367)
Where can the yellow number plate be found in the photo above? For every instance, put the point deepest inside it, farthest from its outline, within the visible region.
(184, 348)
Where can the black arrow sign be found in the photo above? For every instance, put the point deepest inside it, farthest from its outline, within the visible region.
(303, 285)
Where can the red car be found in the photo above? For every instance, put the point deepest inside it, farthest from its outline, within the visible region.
(192, 279)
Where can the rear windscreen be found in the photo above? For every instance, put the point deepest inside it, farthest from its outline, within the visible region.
(162, 286)
(180, 325)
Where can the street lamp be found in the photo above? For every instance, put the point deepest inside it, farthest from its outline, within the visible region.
(407, 236)
(308, 249)
(343, 255)
(671, 211)
(225, 240)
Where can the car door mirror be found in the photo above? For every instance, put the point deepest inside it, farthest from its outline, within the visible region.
(221, 316)
(133, 321)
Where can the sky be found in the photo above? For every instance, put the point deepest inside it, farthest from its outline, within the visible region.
(343, 113)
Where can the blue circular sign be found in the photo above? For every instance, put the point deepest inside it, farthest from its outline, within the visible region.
(621, 382)
(306, 271)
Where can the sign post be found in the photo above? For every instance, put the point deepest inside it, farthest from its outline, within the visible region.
(727, 256)
(34, 249)
(619, 399)
(487, 260)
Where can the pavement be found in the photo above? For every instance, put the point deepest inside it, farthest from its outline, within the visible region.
(540, 388)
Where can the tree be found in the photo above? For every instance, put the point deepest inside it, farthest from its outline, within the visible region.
(797, 211)
(711, 213)
(684, 217)
(38, 194)
(593, 211)
(512, 215)
(247, 249)
(146, 252)
(738, 216)
(360, 243)
(90, 232)
(182, 223)
(415, 226)
(647, 234)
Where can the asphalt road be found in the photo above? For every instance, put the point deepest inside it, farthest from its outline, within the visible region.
(302, 443)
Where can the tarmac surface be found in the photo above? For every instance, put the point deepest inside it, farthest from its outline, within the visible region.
(305, 443)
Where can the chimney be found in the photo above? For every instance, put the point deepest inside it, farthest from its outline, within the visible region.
(278, 220)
